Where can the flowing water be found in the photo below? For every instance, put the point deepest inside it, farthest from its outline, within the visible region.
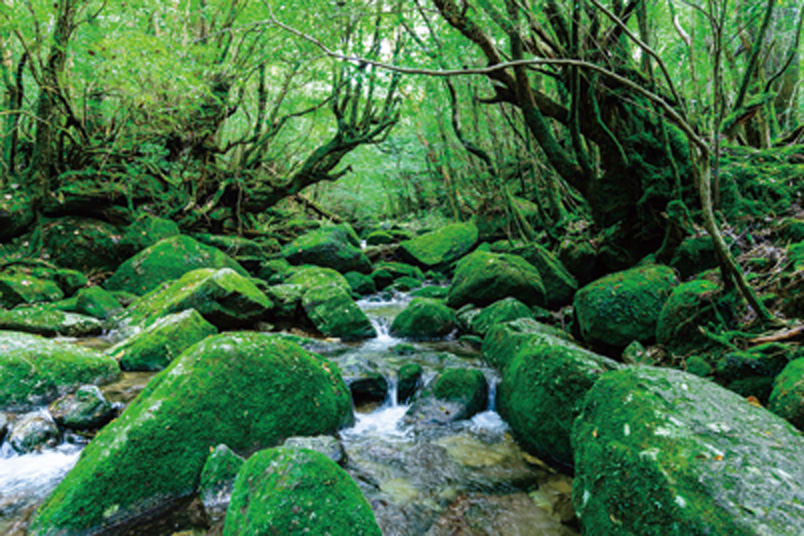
(468, 477)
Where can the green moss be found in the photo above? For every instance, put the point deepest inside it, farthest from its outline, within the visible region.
(20, 288)
(287, 491)
(400, 269)
(70, 281)
(311, 277)
(35, 371)
(542, 391)
(361, 284)
(333, 312)
(559, 284)
(82, 244)
(483, 278)
(405, 283)
(787, 398)
(157, 345)
(624, 306)
(166, 260)
(223, 297)
(437, 249)
(695, 254)
(409, 378)
(287, 300)
(424, 318)
(430, 291)
(94, 301)
(662, 452)
(690, 306)
(455, 394)
(146, 231)
(49, 321)
(329, 247)
(214, 393)
(378, 238)
(498, 312)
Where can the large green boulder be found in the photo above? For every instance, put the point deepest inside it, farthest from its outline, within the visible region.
(20, 288)
(335, 314)
(482, 278)
(695, 254)
(247, 390)
(311, 277)
(424, 318)
(624, 306)
(36, 371)
(438, 249)
(144, 232)
(292, 490)
(16, 212)
(542, 391)
(663, 452)
(82, 244)
(499, 312)
(154, 347)
(166, 260)
(559, 284)
(330, 247)
(97, 302)
(49, 321)
(689, 307)
(787, 397)
(223, 297)
(287, 300)
(504, 340)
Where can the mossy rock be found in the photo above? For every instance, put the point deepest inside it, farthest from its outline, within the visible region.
(660, 451)
(19, 288)
(409, 379)
(70, 281)
(49, 321)
(423, 319)
(504, 340)
(364, 379)
(86, 409)
(580, 259)
(16, 212)
(154, 347)
(291, 490)
(360, 284)
(287, 300)
(752, 372)
(400, 269)
(144, 232)
(438, 249)
(217, 481)
(405, 284)
(430, 291)
(33, 431)
(82, 244)
(155, 451)
(274, 271)
(455, 394)
(36, 371)
(692, 305)
(483, 278)
(379, 238)
(499, 312)
(223, 297)
(313, 277)
(787, 397)
(234, 246)
(542, 391)
(97, 302)
(695, 254)
(335, 314)
(167, 260)
(559, 284)
(624, 306)
(329, 247)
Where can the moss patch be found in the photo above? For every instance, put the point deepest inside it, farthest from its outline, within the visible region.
(437, 249)
(483, 278)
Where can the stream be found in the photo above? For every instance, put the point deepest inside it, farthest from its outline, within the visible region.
(467, 477)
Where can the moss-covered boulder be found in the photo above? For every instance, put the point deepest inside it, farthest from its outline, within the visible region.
(689, 307)
(455, 394)
(499, 312)
(542, 391)
(695, 254)
(287, 491)
(408, 381)
(70, 281)
(504, 340)
(82, 244)
(752, 372)
(36, 371)
(360, 284)
(624, 306)
(166, 260)
(16, 212)
(559, 284)
(330, 247)
(424, 318)
(430, 291)
(312, 277)
(49, 321)
(215, 392)
(217, 481)
(334, 313)
(154, 347)
(223, 297)
(438, 249)
(86, 409)
(144, 232)
(287, 300)
(20, 288)
(379, 238)
(787, 397)
(660, 451)
(579, 257)
(97, 302)
(234, 246)
(400, 269)
(482, 278)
